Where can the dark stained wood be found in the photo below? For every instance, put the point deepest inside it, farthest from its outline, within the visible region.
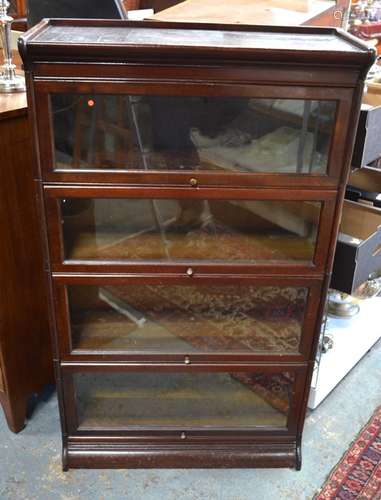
(156, 5)
(20, 24)
(59, 58)
(243, 43)
(25, 352)
(118, 456)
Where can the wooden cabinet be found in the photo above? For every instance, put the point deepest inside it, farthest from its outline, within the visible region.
(267, 12)
(25, 346)
(191, 180)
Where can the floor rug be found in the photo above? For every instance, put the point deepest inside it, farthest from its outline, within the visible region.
(208, 308)
(358, 474)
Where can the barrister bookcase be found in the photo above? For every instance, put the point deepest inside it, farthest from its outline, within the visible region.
(191, 180)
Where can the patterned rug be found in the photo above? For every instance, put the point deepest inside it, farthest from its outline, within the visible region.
(358, 474)
(201, 243)
(266, 314)
(231, 318)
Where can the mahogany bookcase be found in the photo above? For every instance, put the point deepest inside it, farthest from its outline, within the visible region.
(191, 181)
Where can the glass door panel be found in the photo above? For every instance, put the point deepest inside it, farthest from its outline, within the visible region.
(180, 133)
(245, 231)
(187, 318)
(182, 400)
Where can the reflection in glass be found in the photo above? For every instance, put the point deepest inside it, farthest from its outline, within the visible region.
(189, 229)
(191, 133)
(179, 318)
(228, 400)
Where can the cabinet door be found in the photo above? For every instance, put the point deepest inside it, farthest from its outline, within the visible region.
(222, 134)
(183, 404)
(228, 231)
(186, 320)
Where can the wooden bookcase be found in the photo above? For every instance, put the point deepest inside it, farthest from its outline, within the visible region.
(191, 180)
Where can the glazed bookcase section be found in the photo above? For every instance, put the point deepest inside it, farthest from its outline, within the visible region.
(182, 400)
(169, 230)
(175, 230)
(201, 400)
(152, 415)
(179, 320)
(193, 133)
(214, 134)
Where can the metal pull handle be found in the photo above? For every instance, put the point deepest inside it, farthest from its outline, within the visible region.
(190, 272)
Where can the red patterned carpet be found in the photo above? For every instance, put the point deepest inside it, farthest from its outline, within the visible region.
(358, 474)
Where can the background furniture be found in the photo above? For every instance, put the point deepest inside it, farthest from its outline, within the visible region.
(156, 5)
(17, 10)
(365, 21)
(351, 339)
(25, 347)
(250, 11)
(191, 241)
(88, 9)
(271, 12)
(358, 253)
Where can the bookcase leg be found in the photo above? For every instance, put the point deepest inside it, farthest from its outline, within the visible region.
(298, 464)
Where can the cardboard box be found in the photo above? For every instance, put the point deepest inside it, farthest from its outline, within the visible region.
(358, 251)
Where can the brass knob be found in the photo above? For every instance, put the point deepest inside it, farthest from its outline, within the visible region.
(183, 435)
(193, 182)
(190, 272)
(187, 360)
